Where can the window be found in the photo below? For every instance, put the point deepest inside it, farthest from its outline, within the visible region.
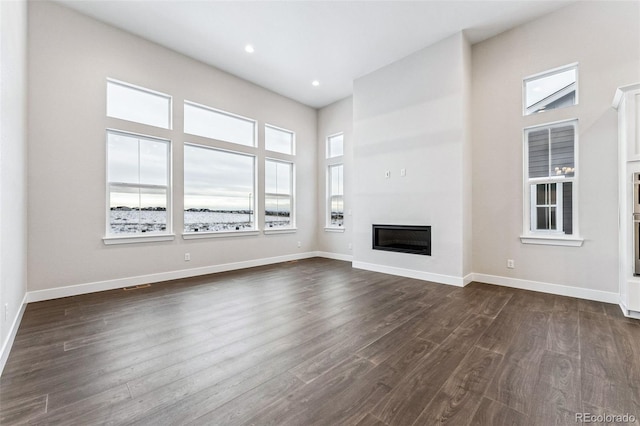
(279, 181)
(210, 123)
(278, 197)
(335, 145)
(219, 192)
(550, 90)
(137, 104)
(335, 183)
(550, 180)
(278, 140)
(335, 196)
(138, 184)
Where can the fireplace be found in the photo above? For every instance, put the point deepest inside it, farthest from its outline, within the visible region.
(403, 239)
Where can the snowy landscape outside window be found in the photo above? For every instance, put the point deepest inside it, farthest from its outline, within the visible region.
(336, 196)
(219, 190)
(278, 197)
(137, 184)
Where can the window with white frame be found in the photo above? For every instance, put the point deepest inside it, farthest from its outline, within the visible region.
(279, 140)
(219, 190)
(133, 103)
(335, 196)
(551, 179)
(278, 197)
(138, 176)
(211, 123)
(557, 88)
(335, 145)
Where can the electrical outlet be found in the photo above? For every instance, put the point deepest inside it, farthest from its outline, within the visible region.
(387, 174)
(403, 172)
(299, 244)
(187, 257)
(350, 246)
(510, 264)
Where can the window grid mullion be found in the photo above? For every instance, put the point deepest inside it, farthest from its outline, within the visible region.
(139, 192)
(277, 191)
(549, 152)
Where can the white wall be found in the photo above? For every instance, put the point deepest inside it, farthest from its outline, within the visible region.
(412, 114)
(13, 178)
(604, 38)
(70, 58)
(332, 119)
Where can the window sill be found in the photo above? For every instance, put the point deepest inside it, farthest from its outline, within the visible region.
(132, 239)
(221, 234)
(550, 240)
(332, 229)
(280, 231)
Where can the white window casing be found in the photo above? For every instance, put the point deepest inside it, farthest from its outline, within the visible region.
(219, 191)
(138, 190)
(551, 89)
(335, 196)
(550, 184)
(202, 120)
(335, 145)
(137, 104)
(277, 139)
(279, 195)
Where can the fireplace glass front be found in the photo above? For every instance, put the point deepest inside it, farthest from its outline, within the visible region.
(402, 238)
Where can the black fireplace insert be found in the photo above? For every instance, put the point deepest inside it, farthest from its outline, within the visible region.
(402, 238)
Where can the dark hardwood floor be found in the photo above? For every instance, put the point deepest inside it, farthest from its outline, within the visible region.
(316, 342)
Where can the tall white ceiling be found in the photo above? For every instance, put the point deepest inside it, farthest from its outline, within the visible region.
(297, 42)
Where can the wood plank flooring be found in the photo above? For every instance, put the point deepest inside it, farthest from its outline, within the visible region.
(316, 342)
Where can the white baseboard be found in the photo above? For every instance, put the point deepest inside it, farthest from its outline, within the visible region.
(74, 290)
(467, 279)
(412, 273)
(563, 290)
(54, 293)
(559, 289)
(8, 342)
(335, 256)
(629, 313)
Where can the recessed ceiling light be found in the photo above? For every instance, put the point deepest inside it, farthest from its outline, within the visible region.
(249, 48)
(315, 83)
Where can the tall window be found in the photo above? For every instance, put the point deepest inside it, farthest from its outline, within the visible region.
(279, 184)
(137, 184)
(335, 200)
(219, 190)
(278, 197)
(335, 182)
(550, 176)
(138, 167)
